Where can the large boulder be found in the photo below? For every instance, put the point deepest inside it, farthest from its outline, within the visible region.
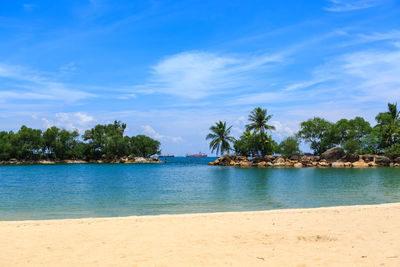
(397, 160)
(262, 164)
(269, 158)
(294, 157)
(279, 160)
(352, 158)
(333, 154)
(298, 165)
(368, 157)
(245, 164)
(382, 161)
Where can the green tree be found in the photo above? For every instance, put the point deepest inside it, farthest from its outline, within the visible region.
(319, 133)
(351, 133)
(258, 119)
(143, 146)
(388, 125)
(250, 144)
(220, 138)
(289, 147)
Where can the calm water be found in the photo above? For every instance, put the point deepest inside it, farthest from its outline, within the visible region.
(183, 185)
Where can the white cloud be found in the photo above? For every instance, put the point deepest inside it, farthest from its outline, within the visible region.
(147, 129)
(196, 75)
(282, 130)
(350, 5)
(71, 121)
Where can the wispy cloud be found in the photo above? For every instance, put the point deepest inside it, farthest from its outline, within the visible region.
(147, 129)
(21, 83)
(350, 5)
(197, 74)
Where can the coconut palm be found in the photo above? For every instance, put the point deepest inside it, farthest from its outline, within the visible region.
(258, 123)
(220, 138)
(393, 125)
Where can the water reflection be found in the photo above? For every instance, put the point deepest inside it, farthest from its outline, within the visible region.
(184, 185)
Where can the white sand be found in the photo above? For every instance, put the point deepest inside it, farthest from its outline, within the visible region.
(338, 236)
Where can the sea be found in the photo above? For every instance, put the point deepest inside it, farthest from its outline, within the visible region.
(183, 185)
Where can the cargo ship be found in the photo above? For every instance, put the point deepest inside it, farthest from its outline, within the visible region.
(200, 155)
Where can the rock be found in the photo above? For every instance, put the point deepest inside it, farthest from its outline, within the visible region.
(289, 164)
(279, 160)
(396, 164)
(279, 164)
(294, 157)
(305, 159)
(298, 165)
(382, 161)
(244, 164)
(323, 164)
(270, 164)
(211, 163)
(257, 159)
(46, 162)
(372, 164)
(232, 163)
(338, 164)
(241, 158)
(359, 164)
(368, 157)
(333, 154)
(396, 160)
(352, 158)
(269, 158)
(347, 164)
(262, 164)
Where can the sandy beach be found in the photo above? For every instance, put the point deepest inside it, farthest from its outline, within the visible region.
(336, 236)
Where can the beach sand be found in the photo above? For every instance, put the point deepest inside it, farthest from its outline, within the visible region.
(336, 236)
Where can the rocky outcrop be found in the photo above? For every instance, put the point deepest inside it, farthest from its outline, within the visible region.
(333, 154)
(125, 160)
(382, 161)
(331, 158)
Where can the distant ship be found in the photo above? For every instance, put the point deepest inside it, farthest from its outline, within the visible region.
(166, 156)
(200, 155)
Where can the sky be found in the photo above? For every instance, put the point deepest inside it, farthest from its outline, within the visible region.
(171, 69)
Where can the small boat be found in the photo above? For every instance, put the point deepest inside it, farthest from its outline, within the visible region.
(200, 155)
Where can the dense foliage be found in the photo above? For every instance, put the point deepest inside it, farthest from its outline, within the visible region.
(356, 135)
(254, 141)
(353, 135)
(100, 142)
(289, 147)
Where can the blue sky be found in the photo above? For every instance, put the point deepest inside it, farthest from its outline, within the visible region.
(170, 69)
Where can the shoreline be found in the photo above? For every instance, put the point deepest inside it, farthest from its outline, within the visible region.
(367, 235)
(201, 214)
(124, 160)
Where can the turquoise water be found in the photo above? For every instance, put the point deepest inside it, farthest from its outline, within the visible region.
(183, 185)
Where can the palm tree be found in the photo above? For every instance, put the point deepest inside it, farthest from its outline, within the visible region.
(258, 123)
(220, 138)
(393, 127)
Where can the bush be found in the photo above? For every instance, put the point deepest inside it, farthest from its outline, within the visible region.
(393, 151)
(289, 147)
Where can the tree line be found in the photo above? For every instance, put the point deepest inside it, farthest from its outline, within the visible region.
(354, 136)
(101, 142)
